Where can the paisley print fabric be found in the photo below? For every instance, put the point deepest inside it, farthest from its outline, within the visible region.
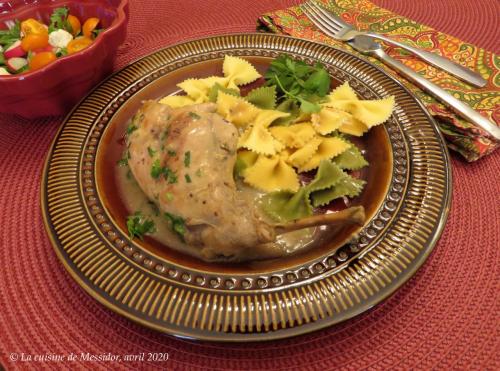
(461, 136)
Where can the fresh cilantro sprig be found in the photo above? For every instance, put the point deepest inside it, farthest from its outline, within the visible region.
(10, 36)
(138, 225)
(59, 20)
(299, 82)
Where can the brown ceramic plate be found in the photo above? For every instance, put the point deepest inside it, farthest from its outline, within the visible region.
(407, 199)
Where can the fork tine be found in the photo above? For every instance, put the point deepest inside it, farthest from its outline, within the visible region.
(329, 16)
(319, 21)
(323, 15)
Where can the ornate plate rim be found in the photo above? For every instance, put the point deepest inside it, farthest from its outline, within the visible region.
(227, 336)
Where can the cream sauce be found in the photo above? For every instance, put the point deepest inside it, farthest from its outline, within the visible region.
(135, 200)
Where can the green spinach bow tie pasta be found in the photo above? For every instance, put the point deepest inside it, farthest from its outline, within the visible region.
(285, 138)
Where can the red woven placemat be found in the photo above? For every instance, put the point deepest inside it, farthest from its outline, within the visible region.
(446, 317)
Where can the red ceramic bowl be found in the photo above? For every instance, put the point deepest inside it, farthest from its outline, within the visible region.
(54, 89)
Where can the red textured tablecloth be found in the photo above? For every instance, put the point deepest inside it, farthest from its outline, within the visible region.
(445, 317)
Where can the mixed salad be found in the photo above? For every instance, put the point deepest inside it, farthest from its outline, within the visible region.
(30, 44)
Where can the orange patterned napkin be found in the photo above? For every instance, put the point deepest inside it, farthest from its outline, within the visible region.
(461, 136)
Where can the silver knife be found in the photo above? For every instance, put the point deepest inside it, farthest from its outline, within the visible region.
(366, 45)
(436, 60)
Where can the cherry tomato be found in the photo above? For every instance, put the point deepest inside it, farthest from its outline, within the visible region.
(78, 44)
(89, 26)
(33, 27)
(41, 60)
(34, 41)
(48, 48)
(75, 24)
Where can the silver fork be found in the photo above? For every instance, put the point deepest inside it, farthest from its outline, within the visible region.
(336, 28)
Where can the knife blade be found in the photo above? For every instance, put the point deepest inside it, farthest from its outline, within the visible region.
(367, 45)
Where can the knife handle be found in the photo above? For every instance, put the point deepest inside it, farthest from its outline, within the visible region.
(459, 107)
(443, 63)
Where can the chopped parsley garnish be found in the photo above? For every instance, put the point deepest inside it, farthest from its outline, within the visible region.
(169, 196)
(194, 115)
(124, 160)
(187, 158)
(171, 177)
(157, 170)
(171, 153)
(131, 128)
(198, 173)
(134, 123)
(177, 224)
(138, 225)
(164, 135)
(188, 178)
(151, 152)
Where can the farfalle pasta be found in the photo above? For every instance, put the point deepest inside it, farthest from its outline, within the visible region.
(304, 154)
(328, 120)
(350, 159)
(198, 89)
(257, 138)
(327, 149)
(369, 112)
(294, 136)
(238, 72)
(236, 110)
(346, 186)
(284, 205)
(266, 117)
(279, 140)
(263, 97)
(272, 173)
(353, 126)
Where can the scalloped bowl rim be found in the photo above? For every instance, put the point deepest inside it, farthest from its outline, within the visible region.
(117, 22)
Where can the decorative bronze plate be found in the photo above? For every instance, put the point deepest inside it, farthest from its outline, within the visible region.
(183, 296)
